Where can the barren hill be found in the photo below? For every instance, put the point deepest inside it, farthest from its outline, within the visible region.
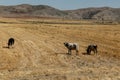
(26, 10)
(103, 13)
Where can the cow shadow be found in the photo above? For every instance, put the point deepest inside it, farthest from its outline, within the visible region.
(85, 53)
(5, 47)
(62, 54)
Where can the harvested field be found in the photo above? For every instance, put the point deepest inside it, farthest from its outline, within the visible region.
(39, 53)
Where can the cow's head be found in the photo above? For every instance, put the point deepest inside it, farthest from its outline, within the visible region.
(66, 44)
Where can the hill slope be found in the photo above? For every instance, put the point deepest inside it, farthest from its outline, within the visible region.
(31, 11)
(104, 13)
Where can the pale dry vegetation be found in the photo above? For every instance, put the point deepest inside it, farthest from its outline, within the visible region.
(39, 53)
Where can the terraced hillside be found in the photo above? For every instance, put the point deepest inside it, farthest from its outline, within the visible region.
(39, 53)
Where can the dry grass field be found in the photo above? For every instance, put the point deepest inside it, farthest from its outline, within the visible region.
(39, 53)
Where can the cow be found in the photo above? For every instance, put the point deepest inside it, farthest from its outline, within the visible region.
(90, 48)
(11, 42)
(71, 46)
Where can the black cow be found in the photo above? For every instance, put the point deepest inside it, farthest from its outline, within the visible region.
(91, 48)
(11, 42)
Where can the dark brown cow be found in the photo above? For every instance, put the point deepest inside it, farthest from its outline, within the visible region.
(92, 48)
(11, 42)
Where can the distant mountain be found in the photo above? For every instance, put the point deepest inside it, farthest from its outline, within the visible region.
(26, 10)
(104, 13)
(30, 11)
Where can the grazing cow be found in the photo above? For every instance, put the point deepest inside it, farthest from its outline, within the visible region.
(72, 46)
(10, 42)
(91, 48)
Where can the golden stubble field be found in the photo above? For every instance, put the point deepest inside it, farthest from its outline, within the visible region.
(39, 53)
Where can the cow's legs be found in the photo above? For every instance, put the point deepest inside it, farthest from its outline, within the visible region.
(69, 52)
(77, 52)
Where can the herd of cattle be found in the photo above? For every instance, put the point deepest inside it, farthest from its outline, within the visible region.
(69, 46)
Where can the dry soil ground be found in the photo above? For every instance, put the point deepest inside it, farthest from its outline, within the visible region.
(39, 53)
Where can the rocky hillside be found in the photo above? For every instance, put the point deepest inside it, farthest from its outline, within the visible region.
(104, 13)
(25, 10)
